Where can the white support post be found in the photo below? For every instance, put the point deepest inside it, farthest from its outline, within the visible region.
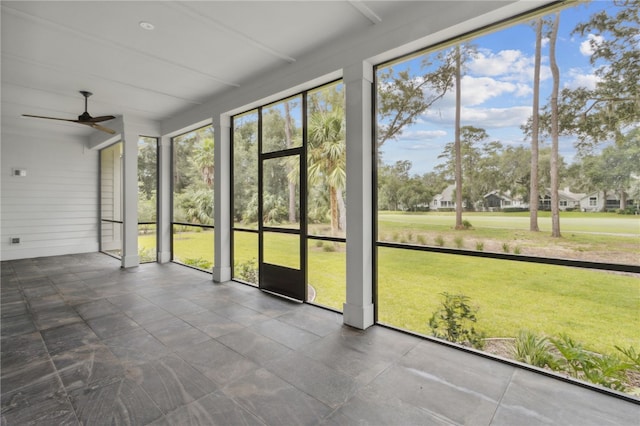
(164, 200)
(130, 256)
(222, 199)
(359, 310)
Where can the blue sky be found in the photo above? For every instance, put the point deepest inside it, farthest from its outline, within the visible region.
(497, 89)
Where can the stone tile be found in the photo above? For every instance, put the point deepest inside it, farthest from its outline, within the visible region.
(129, 301)
(263, 393)
(55, 317)
(171, 382)
(146, 314)
(14, 308)
(9, 295)
(38, 399)
(112, 325)
(212, 324)
(286, 334)
(95, 309)
(213, 409)
(317, 321)
(460, 387)
(68, 337)
(26, 374)
(266, 304)
(314, 378)
(176, 305)
(175, 333)
(240, 314)
(19, 324)
(533, 399)
(65, 278)
(356, 360)
(40, 291)
(218, 362)
(370, 408)
(46, 303)
(258, 348)
(137, 347)
(86, 366)
(21, 351)
(121, 402)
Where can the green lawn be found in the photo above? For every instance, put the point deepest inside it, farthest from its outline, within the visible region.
(599, 309)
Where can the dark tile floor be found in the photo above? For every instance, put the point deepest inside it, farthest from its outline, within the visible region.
(85, 342)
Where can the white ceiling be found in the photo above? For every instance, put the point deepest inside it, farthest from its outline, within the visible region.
(51, 50)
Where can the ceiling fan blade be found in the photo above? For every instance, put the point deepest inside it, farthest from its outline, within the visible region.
(50, 118)
(99, 127)
(100, 119)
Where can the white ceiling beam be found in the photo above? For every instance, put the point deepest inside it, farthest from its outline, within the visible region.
(366, 11)
(210, 22)
(104, 42)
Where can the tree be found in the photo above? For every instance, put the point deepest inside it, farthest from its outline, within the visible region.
(555, 72)
(288, 133)
(203, 157)
(477, 166)
(403, 98)
(457, 148)
(535, 118)
(327, 157)
(607, 111)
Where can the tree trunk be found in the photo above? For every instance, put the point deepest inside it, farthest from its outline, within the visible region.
(333, 205)
(342, 211)
(289, 142)
(555, 72)
(457, 149)
(535, 126)
(623, 199)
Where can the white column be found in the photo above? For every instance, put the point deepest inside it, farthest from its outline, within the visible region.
(358, 310)
(164, 200)
(130, 198)
(222, 199)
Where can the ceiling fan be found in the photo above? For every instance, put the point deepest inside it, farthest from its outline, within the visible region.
(85, 118)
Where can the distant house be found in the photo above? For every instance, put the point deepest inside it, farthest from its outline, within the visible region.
(567, 199)
(600, 201)
(444, 200)
(498, 200)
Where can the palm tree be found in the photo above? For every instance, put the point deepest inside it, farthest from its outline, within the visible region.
(326, 151)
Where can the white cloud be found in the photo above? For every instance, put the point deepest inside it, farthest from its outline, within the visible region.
(579, 79)
(510, 64)
(587, 46)
(485, 118)
(418, 135)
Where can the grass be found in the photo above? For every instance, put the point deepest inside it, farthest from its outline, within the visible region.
(597, 308)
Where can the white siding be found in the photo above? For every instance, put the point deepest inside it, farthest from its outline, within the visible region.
(54, 208)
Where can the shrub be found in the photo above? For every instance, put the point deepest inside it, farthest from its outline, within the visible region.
(517, 250)
(455, 320)
(534, 350)
(479, 246)
(459, 243)
(247, 271)
(146, 254)
(605, 370)
(422, 239)
(439, 241)
(199, 263)
(466, 224)
(329, 247)
(506, 248)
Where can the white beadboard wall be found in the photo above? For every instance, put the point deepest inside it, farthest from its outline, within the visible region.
(54, 208)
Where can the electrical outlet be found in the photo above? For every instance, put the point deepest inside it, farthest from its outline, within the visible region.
(15, 240)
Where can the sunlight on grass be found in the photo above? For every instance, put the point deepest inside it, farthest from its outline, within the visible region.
(597, 308)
